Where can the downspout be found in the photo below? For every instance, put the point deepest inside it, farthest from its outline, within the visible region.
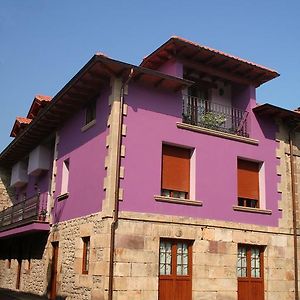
(291, 137)
(114, 223)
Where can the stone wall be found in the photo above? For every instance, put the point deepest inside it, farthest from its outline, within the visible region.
(71, 283)
(214, 256)
(6, 193)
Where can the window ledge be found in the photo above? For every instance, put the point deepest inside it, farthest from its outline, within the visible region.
(62, 196)
(177, 200)
(221, 134)
(88, 126)
(252, 210)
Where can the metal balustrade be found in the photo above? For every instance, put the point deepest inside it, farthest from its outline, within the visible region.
(204, 113)
(23, 212)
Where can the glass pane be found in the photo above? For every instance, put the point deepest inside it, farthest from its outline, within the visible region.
(165, 258)
(182, 259)
(242, 262)
(255, 262)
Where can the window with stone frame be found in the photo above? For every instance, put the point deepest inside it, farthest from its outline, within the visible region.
(86, 255)
(248, 183)
(175, 178)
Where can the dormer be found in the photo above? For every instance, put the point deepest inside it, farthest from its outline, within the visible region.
(38, 103)
(19, 125)
(223, 93)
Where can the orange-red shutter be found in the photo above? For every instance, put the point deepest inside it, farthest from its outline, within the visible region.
(176, 168)
(248, 179)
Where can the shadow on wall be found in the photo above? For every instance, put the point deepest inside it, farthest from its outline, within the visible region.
(24, 247)
(6, 294)
(268, 127)
(7, 195)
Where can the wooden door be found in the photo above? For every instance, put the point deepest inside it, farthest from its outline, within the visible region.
(53, 278)
(19, 273)
(175, 268)
(250, 273)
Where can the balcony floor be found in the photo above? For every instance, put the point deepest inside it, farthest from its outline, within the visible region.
(29, 228)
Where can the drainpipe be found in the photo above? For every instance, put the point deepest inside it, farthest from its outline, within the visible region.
(291, 137)
(114, 223)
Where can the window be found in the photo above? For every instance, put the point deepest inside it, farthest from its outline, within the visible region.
(175, 269)
(248, 183)
(65, 177)
(86, 255)
(90, 114)
(250, 272)
(175, 180)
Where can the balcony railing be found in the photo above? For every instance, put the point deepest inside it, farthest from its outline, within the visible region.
(22, 213)
(204, 113)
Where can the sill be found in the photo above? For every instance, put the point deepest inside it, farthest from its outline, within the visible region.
(252, 210)
(62, 196)
(177, 200)
(88, 125)
(217, 133)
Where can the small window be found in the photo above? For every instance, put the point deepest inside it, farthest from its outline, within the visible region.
(248, 183)
(65, 177)
(175, 181)
(90, 114)
(9, 263)
(86, 255)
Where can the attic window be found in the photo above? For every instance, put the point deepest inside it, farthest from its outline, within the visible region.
(90, 114)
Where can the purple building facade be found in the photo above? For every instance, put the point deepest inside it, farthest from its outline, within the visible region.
(163, 181)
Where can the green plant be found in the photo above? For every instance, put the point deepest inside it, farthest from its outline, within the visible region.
(212, 119)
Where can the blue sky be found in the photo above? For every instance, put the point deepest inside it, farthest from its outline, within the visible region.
(44, 43)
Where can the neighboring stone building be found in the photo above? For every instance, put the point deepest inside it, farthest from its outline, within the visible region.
(159, 181)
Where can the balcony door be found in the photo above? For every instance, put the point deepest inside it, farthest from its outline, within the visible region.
(250, 272)
(198, 103)
(175, 270)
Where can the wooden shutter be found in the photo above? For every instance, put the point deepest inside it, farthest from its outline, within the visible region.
(176, 168)
(248, 179)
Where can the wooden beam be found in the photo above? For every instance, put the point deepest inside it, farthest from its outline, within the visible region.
(107, 68)
(138, 77)
(159, 82)
(207, 60)
(213, 72)
(220, 64)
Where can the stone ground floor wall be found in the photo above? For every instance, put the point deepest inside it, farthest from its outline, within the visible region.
(71, 283)
(214, 258)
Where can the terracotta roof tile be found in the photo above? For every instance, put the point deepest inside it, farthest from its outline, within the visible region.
(23, 120)
(43, 98)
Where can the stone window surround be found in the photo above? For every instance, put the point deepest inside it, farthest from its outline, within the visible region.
(174, 200)
(221, 134)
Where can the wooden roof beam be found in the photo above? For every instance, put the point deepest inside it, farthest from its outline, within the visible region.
(213, 72)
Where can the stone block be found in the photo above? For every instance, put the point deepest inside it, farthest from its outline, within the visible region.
(122, 269)
(128, 241)
(224, 235)
(86, 229)
(97, 294)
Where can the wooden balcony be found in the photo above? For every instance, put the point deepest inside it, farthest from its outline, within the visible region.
(204, 113)
(22, 213)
